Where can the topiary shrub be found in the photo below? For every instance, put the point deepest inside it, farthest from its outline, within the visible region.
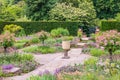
(110, 25)
(36, 26)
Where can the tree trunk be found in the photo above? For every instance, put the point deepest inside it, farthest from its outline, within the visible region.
(110, 52)
(5, 50)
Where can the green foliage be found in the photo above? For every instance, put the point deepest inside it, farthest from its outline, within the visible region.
(97, 52)
(27, 66)
(22, 40)
(110, 25)
(11, 11)
(38, 9)
(44, 77)
(67, 38)
(31, 49)
(33, 27)
(19, 45)
(67, 12)
(106, 8)
(39, 49)
(59, 32)
(50, 42)
(34, 40)
(91, 61)
(117, 52)
(7, 40)
(79, 33)
(43, 36)
(21, 33)
(12, 28)
(46, 49)
(118, 17)
(12, 58)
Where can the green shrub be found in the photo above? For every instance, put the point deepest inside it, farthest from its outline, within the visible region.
(67, 38)
(19, 45)
(97, 52)
(39, 49)
(12, 28)
(12, 58)
(34, 78)
(21, 33)
(33, 27)
(59, 32)
(42, 36)
(110, 25)
(91, 61)
(46, 49)
(117, 52)
(27, 66)
(50, 42)
(31, 49)
(44, 77)
(34, 40)
(22, 41)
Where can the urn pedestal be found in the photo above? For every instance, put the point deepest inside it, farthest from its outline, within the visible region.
(66, 47)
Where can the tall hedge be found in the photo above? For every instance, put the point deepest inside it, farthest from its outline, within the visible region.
(110, 25)
(33, 27)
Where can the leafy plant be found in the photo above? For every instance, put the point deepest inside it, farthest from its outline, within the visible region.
(117, 52)
(15, 58)
(18, 45)
(22, 41)
(97, 52)
(67, 38)
(79, 33)
(46, 49)
(7, 40)
(39, 49)
(59, 32)
(43, 36)
(109, 39)
(31, 49)
(91, 61)
(35, 40)
(27, 66)
(12, 28)
(21, 33)
(50, 42)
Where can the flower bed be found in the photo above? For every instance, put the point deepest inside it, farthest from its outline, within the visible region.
(16, 64)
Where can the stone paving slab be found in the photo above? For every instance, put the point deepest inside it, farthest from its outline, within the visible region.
(52, 62)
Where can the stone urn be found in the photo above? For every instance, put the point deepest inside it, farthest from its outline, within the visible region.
(66, 45)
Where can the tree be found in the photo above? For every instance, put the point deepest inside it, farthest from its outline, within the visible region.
(106, 9)
(68, 12)
(10, 11)
(38, 9)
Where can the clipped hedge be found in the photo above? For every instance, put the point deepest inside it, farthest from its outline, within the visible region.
(33, 27)
(110, 25)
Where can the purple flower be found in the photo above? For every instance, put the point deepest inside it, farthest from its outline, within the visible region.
(46, 72)
(7, 67)
(57, 71)
(40, 73)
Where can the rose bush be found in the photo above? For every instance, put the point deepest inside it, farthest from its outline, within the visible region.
(109, 39)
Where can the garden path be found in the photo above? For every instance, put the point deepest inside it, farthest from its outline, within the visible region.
(53, 61)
